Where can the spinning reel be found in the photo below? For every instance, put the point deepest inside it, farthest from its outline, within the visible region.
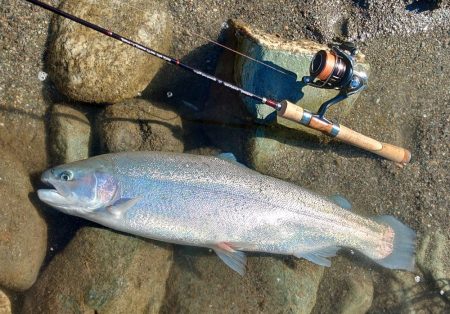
(335, 69)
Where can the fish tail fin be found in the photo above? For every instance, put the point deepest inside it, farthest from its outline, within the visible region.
(397, 246)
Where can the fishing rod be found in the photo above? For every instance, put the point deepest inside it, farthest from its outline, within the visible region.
(329, 69)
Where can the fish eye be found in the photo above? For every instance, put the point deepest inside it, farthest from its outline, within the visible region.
(66, 176)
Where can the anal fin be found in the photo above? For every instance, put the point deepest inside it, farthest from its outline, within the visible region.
(236, 260)
(319, 256)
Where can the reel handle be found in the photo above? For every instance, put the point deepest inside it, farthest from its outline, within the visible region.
(297, 114)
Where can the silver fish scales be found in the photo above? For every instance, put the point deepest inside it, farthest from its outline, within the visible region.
(220, 204)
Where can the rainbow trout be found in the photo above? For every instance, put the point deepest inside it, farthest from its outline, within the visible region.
(220, 204)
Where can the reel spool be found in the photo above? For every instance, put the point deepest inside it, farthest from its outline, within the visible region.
(335, 69)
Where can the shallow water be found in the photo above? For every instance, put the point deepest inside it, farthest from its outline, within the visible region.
(407, 103)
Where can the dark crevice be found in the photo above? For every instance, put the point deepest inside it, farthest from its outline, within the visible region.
(419, 6)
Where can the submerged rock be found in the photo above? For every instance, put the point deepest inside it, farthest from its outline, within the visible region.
(88, 66)
(140, 125)
(70, 134)
(433, 259)
(408, 293)
(5, 303)
(358, 298)
(201, 282)
(345, 288)
(103, 271)
(287, 62)
(23, 232)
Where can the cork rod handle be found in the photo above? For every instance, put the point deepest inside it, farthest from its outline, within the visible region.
(400, 155)
(297, 114)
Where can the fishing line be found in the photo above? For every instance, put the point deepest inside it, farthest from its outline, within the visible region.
(193, 34)
(177, 62)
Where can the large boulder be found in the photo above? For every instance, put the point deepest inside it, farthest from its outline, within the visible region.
(138, 124)
(23, 231)
(88, 66)
(103, 271)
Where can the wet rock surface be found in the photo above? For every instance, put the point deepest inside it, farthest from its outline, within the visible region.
(91, 67)
(345, 288)
(405, 42)
(5, 303)
(23, 232)
(433, 257)
(140, 125)
(70, 133)
(287, 62)
(103, 271)
(199, 281)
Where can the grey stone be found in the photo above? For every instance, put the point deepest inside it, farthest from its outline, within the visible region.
(103, 271)
(138, 124)
(70, 134)
(293, 58)
(433, 258)
(23, 232)
(200, 281)
(90, 67)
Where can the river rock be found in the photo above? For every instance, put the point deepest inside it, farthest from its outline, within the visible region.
(5, 303)
(433, 258)
(407, 292)
(201, 282)
(90, 67)
(345, 288)
(289, 61)
(70, 133)
(23, 231)
(103, 271)
(358, 298)
(138, 124)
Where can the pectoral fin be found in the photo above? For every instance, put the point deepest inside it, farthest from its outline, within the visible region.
(119, 208)
(319, 256)
(341, 201)
(236, 260)
(230, 158)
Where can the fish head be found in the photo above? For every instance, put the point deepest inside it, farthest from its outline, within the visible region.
(80, 187)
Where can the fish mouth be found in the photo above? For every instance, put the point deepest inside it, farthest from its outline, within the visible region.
(52, 196)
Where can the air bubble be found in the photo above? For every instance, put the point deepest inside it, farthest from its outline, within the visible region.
(417, 278)
(169, 94)
(225, 25)
(441, 292)
(42, 76)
